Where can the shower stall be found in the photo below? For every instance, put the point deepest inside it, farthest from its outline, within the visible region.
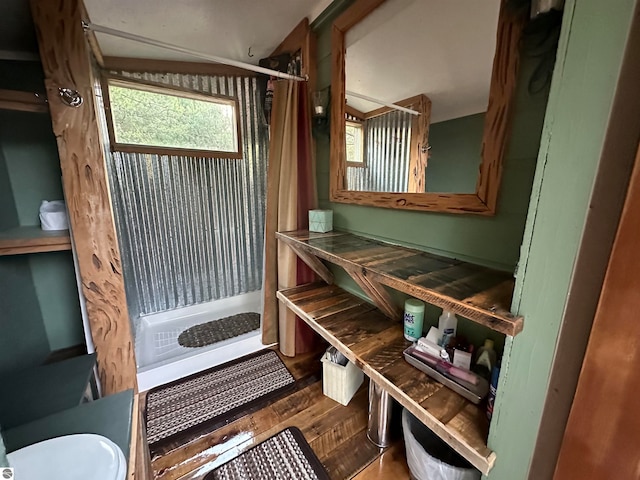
(191, 234)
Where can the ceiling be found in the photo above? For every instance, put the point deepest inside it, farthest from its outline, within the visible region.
(242, 30)
(441, 48)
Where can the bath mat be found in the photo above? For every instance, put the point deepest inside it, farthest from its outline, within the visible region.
(195, 405)
(285, 455)
(219, 330)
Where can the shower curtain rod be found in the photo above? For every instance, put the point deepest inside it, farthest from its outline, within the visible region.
(168, 46)
(380, 102)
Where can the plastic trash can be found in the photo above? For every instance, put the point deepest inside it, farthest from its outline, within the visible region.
(429, 458)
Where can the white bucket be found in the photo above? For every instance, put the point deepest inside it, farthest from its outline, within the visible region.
(53, 215)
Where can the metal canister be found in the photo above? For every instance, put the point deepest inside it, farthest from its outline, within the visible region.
(380, 404)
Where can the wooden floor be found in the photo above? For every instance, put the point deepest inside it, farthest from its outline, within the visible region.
(337, 434)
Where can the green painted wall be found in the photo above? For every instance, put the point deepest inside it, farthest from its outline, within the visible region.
(23, 339)
(31, 171)
(8, 213)
(492, 241)
(586, 72)
(33, 166)
(454, 157)
(589, 60)
(54, 280)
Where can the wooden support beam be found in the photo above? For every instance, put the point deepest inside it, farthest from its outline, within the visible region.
(377, 293)
(314, 264)
(66, 62)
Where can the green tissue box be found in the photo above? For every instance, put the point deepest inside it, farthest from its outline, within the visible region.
(320, 221)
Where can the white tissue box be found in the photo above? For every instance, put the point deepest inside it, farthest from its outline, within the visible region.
(320, 221)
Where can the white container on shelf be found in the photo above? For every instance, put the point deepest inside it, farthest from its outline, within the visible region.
(53, 215)
(340, 382)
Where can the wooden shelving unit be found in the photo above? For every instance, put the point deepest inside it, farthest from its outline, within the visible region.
(375, 344)
(33, 240)
(23, 101)
(478, 293)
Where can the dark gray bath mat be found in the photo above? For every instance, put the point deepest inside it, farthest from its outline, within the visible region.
(285, 455)
(179, 411)
(219, 330)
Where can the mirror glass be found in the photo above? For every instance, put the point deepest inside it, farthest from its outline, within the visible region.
(441, 51)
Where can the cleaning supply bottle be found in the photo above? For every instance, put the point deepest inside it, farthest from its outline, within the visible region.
(493, 387)
(413, 319)
(447, 325)
(486, 359)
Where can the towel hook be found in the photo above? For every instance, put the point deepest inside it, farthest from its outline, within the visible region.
(70, 97)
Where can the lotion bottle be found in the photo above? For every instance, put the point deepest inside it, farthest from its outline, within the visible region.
(447, 325)
(486, 358)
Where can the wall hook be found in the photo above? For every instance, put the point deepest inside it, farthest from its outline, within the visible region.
(70, 97)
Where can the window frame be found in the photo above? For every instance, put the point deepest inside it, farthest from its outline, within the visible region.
(160, 88)
(361, 126)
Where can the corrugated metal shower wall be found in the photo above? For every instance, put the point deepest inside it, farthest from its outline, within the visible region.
(386, 150)
(191, 229)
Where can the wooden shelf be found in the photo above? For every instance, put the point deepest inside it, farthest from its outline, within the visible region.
(478, 293)
(375, 344)
(23, 101)
(33, 240)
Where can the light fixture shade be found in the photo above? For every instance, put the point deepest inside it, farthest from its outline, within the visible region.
(320, 101)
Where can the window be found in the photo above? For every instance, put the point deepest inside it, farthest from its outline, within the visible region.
(148, 118)
(354, 135)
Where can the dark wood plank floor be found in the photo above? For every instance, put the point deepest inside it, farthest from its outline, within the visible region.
(337, 434)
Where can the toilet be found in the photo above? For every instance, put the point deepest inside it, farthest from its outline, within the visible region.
(72, 457)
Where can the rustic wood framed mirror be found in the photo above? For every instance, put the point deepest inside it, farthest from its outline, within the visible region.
(372, 41)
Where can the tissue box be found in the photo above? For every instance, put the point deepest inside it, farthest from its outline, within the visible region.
(340, 382)
(320, 221)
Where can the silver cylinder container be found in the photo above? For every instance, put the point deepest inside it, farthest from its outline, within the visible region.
(380, 404)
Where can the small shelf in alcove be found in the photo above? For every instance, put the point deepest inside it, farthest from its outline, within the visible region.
(23, 101)
(21, 240)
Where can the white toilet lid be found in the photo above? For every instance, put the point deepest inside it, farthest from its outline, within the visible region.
(72, 457)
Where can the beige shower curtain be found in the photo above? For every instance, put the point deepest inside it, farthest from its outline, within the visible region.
(291, 192)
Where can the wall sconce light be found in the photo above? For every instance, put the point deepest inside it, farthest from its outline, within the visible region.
(320, 103)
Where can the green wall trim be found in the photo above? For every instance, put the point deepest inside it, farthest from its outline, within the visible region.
(329, 14)
(587, 70)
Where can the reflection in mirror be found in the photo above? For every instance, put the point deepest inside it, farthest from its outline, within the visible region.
(441, 49)
(382, 147)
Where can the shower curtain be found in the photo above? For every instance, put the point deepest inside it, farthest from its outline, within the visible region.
(291, 193)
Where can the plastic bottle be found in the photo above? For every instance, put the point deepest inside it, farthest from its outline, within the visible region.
(486, 358)
(447, 325)
(493, 387)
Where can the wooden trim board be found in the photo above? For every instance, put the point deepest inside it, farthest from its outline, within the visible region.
(21, 240)
(23, 101)
(66, 60)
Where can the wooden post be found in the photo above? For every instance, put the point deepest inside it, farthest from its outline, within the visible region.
(66, 60)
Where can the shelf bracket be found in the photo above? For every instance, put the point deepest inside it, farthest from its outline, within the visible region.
(314, 263)
(376, 292)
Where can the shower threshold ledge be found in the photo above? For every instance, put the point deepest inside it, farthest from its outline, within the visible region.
(170, 370)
